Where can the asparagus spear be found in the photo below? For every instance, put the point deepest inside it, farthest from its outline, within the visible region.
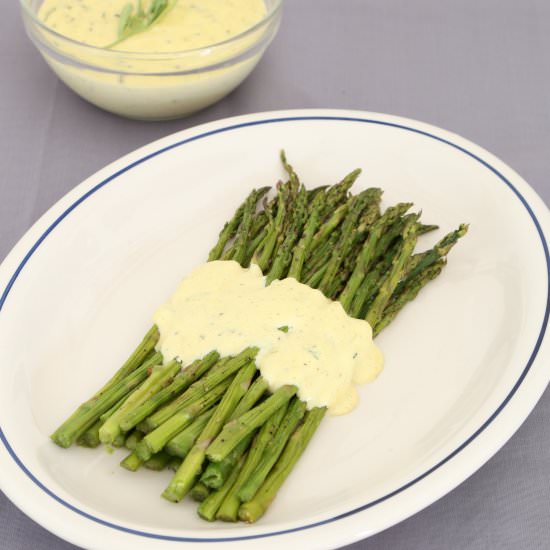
(199, 388)
(158, 462)
(396, 271)
(254, 509)
(304, 244)
(408, 293)
(283, 257)
(159, 375)
(230, 228)
(216, 473)
(90, 411)
(211, 504)
(275, 228)
(133, 439)
(369, 287)
(182, 443)
(367, 254)
(343, 247)
(143, 352)
(190, 468)
(328, 227)
(131, 462)
(119, 441)
(243, 233)
(239, 428)
(155, 441)
(180, 383)
(441, 249)
(229, 509)
(338, 194)
(199, 492)
(273, 450)
(116, 406)
(90, 438)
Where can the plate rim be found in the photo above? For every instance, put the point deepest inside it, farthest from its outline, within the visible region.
(59, 211)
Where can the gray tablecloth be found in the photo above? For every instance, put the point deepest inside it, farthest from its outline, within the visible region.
(480, 68)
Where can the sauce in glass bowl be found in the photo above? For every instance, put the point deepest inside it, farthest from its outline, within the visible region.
(192, 55)
(182, 25)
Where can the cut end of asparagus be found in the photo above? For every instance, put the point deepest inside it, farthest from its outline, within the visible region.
(131, 462)
(252, 511)
(173, 493)
(61, 440)
(199, 492)
(143, 450)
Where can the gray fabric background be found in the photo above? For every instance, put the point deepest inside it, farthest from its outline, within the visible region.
(480, 68)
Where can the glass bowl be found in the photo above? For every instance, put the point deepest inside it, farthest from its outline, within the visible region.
(152, 86)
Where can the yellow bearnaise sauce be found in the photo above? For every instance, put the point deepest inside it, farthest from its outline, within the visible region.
(170, 69)
(185, 25)
(222, 306)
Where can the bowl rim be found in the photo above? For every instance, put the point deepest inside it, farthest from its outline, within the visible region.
(270, 15)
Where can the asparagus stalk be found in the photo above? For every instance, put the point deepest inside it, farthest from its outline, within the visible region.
(275, 228)
(190, 468)
(145, 349)
(408, 293)
(155, 441)
(273, 450)
(139, 355)
(131, 462)
(133, 439)
(90, 438)
(199, 492)
(243, 233)
(315, 279)
(283, 257)
(216, 473)
(369, 287)
(294, 179)
(239, 428)
(440, 250)
(92, 409)
(182, 443)
(180, 383)
(328, 227)
(119, 441)
(367, 254)
(229, 509)
(338, 194)
(388, 286)
(158, 462)
(211, 504)
(304, 244)
(115, 407)
(159, 375)
(423, 228)
(254, 509)
(230, 228)
(199, 388)
(358, 203)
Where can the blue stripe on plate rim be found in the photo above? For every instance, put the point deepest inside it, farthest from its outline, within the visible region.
(393, 493)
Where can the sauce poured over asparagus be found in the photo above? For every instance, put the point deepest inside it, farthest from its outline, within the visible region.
(170, 26)
(225, 307)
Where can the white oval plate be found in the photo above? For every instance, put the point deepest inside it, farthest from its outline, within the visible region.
(465, 363)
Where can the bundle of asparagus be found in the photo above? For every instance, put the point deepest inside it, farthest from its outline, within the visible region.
(231, 441)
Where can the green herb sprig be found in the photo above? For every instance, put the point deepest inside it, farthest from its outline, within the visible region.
(135, 19)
